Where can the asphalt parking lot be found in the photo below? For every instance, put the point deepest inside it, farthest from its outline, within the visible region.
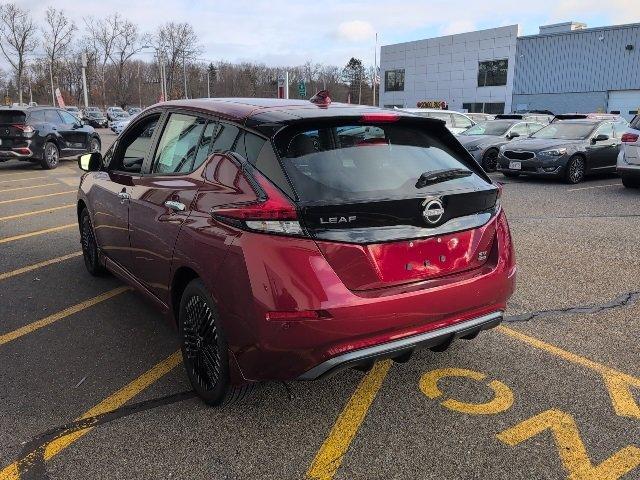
(92, 386)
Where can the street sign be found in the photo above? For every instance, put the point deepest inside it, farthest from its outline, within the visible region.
(302, 89)
(59, 98)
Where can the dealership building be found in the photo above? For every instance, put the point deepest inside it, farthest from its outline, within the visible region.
(567, 67)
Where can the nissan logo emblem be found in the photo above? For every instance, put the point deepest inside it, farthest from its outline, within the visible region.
(433, 210)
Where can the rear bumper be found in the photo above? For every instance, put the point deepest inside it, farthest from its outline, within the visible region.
(404, 346)
(11, 155)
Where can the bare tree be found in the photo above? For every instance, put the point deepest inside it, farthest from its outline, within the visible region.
(177, 43)
(126, 44)
(102, 36)
(17, 39)
(57, 35)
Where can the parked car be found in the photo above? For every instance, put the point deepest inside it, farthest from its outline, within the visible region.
(480, 117)
(531, 117)
(570, 149)
(484, 140)
(87, 110)
(75, 111)
(118, 117)
(590, 116)
(629, 157)
(133, 111)
(112, 111)
(117, 126)
(301, 255)
(96, 119)
(456, 122)
(44, 135)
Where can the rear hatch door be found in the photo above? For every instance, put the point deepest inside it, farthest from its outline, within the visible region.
(389, 200)
(10, 131)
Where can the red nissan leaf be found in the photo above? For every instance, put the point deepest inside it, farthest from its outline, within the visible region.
(290, 239)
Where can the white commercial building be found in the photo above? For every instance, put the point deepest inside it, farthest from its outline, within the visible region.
(469, 71)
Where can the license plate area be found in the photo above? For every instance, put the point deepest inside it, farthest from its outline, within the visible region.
(515, 165)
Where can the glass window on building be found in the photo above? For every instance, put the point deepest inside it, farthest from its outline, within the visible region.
(492, 108)
(492, 73)
(394, 80)
(473, 107)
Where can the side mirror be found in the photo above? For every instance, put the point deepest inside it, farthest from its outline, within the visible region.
(513, 135)
(90, 162)
(600, 138)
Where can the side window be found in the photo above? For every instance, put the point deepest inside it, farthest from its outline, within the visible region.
(253, 145)
(67, 118)
(51, 116)
(605, 129)
(37, 116)
(619, 129)
(225, 138)
(521, 129)
(461, 121)
(204, 145)
(635, 123)
(178, 144)
(132, 148)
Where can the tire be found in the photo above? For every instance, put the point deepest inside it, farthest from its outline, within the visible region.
(490, 160)
(94, 145)
(575, 170)
(204, 348)
(630, 181)
(511, 174)
(89, 245)
(50, 156)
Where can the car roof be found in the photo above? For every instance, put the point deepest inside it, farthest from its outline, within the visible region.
(429, 110)
(271, 110)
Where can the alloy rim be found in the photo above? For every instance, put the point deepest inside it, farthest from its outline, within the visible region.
(576, 170)
(491, 161)
(52, 155)
(201, 343)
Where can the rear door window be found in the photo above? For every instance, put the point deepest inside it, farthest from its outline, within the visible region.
(51, 116)
(178, 144)
(358, 162)
(37, 116)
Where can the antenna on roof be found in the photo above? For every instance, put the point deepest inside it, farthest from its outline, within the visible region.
(322, 98)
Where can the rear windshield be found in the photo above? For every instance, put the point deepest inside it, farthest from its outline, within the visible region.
(12, 116)
(351, 162)
(565, 131)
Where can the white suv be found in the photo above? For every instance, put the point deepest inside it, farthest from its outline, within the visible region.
(629, 157)
(456, 122)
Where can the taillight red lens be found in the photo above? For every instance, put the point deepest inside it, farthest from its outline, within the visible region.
(274, 207)
(630, 137)
(23, 128)
(379, 117)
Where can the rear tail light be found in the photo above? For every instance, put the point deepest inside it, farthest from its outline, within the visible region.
(630, 137)
(271, 213)
(23, 128)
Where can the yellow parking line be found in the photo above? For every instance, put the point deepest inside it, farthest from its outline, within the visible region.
(329, 457)
(28, 172)
(36, 212)
(43, 322)
(36, 197)
(117, 400)
(37, 232)
(35, 266)
(27, 188)
(21, 179)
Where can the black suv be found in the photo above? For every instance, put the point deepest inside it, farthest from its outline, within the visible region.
(44, 135)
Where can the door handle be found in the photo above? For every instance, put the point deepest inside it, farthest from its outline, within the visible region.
(124, 196)
(175, 206)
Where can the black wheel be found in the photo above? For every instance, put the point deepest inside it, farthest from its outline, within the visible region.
(89, 245)
(94, 145)
(50, 156)
(575, 170)
(511, 174)
(204, 348)
(630, 181)
(490, 160)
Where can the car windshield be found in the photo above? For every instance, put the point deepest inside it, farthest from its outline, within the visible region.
(565, 131)
(488, 128)
(347, 162)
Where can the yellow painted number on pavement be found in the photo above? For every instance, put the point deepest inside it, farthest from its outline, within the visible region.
(502, 400)
(571, 448)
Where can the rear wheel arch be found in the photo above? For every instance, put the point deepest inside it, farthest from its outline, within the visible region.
(81, 206)
(181, 278)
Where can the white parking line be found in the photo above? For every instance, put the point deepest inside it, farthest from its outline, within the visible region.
(597, 186)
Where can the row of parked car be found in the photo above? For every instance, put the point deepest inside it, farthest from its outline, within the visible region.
(115, 118)
(568, 146)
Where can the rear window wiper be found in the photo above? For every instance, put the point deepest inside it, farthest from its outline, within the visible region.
(439, 176)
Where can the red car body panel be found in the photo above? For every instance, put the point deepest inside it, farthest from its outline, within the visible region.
(363, 295)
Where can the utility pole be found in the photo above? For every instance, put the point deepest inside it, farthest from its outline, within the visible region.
(208, 85)
(375, 70)
(84, 81)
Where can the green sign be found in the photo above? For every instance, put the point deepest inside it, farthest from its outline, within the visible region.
(302, 89)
